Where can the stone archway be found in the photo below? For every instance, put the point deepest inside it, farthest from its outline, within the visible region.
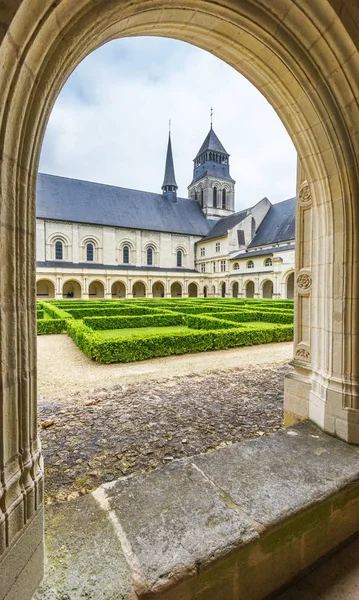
(235, 289)
(96, 289)
(71, 289)
(192, 290)
(158, 290)
(250, 289)
(176, 290)
(205, 291)
(290, 287)
(118, 290)
(139, 290)
(303, 57)
(223, 289)
(45, 289)
(267, 289)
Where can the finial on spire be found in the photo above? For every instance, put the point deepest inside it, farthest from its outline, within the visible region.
(211, 116)
(169, 126)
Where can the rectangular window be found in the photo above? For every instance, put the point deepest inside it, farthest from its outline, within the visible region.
(203, 267)
(203, 251)
(218, 246)
(214, 267)
(223, 265)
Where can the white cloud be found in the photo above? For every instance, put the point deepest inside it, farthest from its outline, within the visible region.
(110, 122)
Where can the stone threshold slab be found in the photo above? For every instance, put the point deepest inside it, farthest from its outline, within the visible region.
(233, 524)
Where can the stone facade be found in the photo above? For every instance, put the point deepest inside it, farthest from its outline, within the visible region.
(89, 260)
(304, 57)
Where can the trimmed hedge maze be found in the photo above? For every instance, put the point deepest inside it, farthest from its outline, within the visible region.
(123, 331)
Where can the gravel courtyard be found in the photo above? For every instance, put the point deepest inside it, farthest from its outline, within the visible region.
(100, 422)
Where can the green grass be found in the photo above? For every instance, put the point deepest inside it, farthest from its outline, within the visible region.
(142, 332)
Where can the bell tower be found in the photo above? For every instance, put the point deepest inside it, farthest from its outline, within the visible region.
(212, 186)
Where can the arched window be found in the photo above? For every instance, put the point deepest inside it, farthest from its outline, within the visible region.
(126, 255)
(214, 197)
(59, 250)
(89, 251)
(195, 196)
(236, 266)
(149, 256)
(250, 264)
(224, 199)
(202, 198)
(179, 258)
(268, 262)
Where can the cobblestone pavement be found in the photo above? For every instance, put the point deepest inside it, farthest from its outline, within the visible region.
(96, 437)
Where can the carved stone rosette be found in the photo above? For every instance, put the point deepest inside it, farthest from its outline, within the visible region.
(305, 197)
(304, 282)
(303, 353)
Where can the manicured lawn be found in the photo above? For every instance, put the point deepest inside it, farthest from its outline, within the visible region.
(111, 334)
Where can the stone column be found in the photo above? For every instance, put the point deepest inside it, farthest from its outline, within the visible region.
(108, 294)
(129, 288)
(21, 474)
(58, 291)
(149, 288)
(185, 288)
(168, 288)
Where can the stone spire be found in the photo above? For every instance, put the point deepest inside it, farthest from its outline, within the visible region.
(169, 186)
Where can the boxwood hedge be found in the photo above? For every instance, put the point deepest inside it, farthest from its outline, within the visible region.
(128, 321)
(49, 326)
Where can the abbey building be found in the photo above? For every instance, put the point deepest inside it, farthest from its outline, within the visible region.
(101, 241)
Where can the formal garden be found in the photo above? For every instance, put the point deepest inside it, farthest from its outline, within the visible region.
(130, 330)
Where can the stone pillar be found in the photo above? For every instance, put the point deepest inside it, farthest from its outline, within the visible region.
(108, 294)
(257, 292)
(21, 474)
(58, 291)
(325, 384)
(129, 288)
(149, 288)
(185, 288)
(168, 288)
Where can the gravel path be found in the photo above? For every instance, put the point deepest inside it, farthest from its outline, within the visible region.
(64, 371)
(100, 422)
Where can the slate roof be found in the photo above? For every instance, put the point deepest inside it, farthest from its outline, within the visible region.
(212, 169)
(211, 143)
(265, 252)
(277, 226)
(222, 226)
(64, 199)
(169, 178)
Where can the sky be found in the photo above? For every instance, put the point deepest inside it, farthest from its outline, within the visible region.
(110, 121)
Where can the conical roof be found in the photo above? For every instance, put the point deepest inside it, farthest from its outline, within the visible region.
(169, 178)
(211, 143)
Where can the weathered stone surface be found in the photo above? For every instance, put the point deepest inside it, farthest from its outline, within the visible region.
(177, 520)
(273, 478)
(173, 519)
(84, 555)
